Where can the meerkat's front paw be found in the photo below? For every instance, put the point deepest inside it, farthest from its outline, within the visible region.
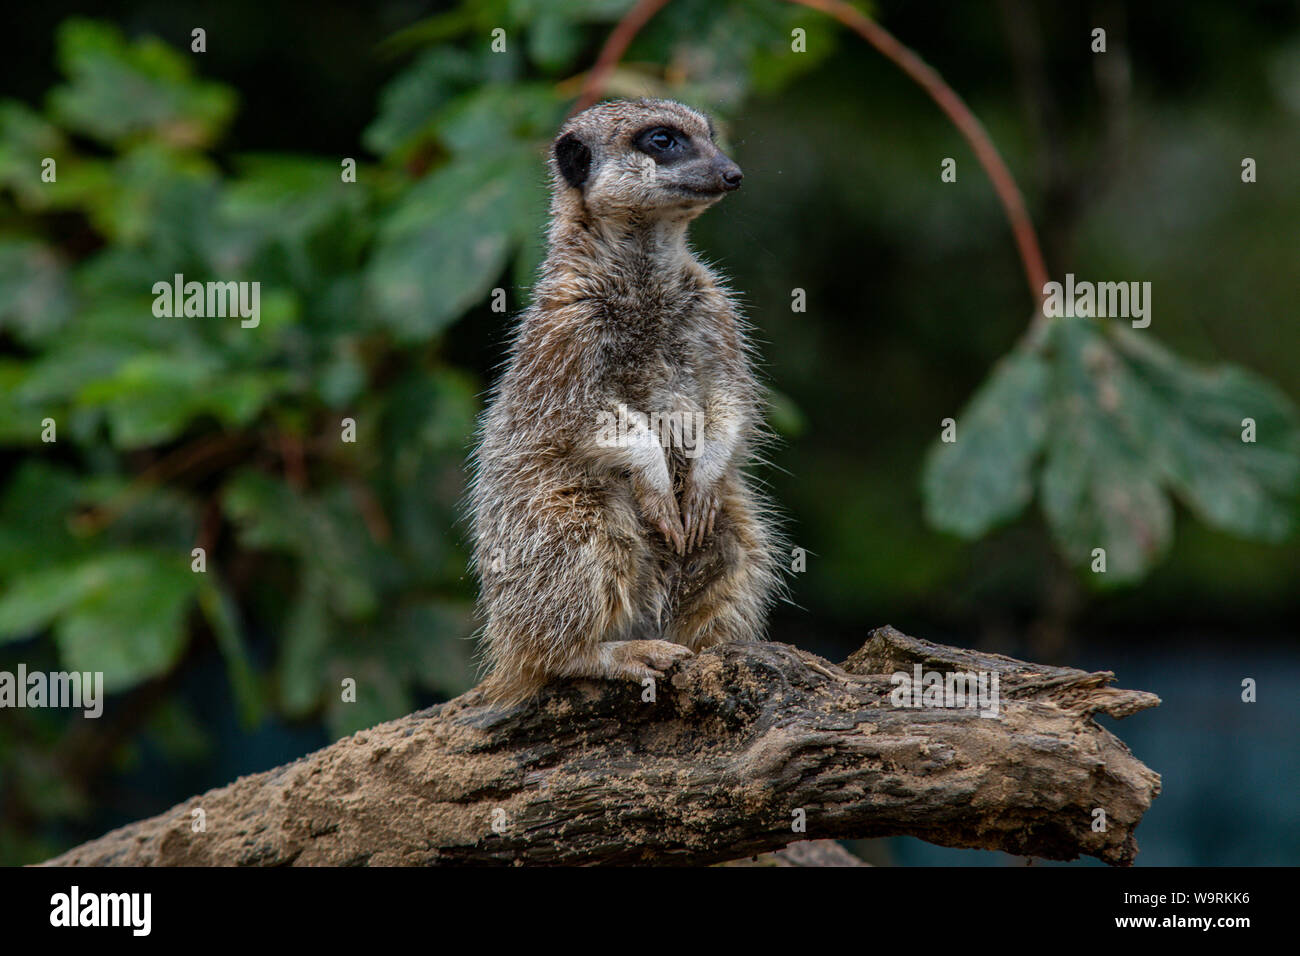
(699, 510)
(661, 511)
(637, 660)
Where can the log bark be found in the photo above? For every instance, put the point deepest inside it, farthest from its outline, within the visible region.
(742, 742)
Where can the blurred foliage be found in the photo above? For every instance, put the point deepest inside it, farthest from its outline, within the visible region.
(182, 433)
(327, 559)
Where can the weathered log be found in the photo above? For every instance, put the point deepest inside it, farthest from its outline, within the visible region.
(740, 739)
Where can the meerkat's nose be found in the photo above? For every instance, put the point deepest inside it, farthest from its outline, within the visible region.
(730, 175)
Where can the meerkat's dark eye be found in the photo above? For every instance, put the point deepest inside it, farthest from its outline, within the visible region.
(663, 142)
(662, 139)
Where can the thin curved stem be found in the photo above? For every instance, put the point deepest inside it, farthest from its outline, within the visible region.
(615, 46)
(1004, 184)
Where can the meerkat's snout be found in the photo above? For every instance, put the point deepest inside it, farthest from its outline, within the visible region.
(729, 174)
(709, 175)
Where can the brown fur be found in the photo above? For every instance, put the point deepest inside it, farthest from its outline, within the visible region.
(616, 562)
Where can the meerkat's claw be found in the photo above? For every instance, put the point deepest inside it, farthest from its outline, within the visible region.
(673, 536)
(699, 510)
(661, 510)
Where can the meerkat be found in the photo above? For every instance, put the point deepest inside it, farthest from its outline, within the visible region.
(615, 532)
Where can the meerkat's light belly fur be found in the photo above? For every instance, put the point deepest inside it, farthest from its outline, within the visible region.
(615, 531)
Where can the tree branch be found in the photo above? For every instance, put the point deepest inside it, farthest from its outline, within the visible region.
(741, 738)
(616, 45)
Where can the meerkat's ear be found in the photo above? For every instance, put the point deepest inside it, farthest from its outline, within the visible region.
(573, 158)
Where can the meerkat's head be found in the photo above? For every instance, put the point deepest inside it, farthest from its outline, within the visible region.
(643, 159)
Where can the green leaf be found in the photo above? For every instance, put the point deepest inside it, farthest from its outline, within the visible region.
(1099, 488)
(60, 373)
(1190, 422)
(152, 397)
(133, 627)
(1125, 422)
(733, 46)
(448, 240)
(35, 506)
(553, 42)
(410, 102)
(496, 116)
(27, 139)
(292, 220)
(35, 296)
(122, 613)
(118, 90)
(33, 601)
(985, 476)
(156, 196)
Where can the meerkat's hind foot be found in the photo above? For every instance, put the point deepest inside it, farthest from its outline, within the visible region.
(637, 660)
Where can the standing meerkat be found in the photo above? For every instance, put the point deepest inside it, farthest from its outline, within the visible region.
(614, 530)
